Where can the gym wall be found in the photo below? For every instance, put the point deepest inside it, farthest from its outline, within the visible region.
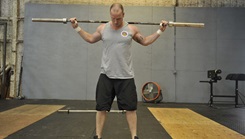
(58, 64)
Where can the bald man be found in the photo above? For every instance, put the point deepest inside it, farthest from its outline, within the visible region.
(117, 75)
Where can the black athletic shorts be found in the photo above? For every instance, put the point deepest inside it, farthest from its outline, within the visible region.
(123, 89)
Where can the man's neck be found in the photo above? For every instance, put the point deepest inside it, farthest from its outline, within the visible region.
(116, 27)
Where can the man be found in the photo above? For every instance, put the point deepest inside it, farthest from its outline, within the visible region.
(117, 75)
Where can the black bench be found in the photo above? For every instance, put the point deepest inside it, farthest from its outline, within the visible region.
(236, 77)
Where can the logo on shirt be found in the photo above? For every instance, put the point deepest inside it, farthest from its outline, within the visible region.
(124, 33)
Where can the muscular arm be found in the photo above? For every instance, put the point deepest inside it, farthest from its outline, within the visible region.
(145, 41)
(91, 38)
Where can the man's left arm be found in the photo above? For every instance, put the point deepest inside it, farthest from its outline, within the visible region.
(145, 41)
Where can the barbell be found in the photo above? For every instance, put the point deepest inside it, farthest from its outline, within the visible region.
(170, 23)
(89, 111)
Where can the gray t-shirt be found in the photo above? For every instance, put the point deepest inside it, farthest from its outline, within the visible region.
(116, 57)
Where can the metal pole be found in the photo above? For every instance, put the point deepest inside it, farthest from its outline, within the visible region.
(170, 23)
(0, 8)
(4, 60)
(89, 111)
(236, 94)
(211, 93)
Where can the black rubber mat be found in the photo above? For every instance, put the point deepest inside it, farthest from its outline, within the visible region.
(82, 125)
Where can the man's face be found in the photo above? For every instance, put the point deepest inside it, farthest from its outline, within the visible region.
(117, 17)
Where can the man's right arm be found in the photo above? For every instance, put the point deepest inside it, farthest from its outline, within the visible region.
(91, 38)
